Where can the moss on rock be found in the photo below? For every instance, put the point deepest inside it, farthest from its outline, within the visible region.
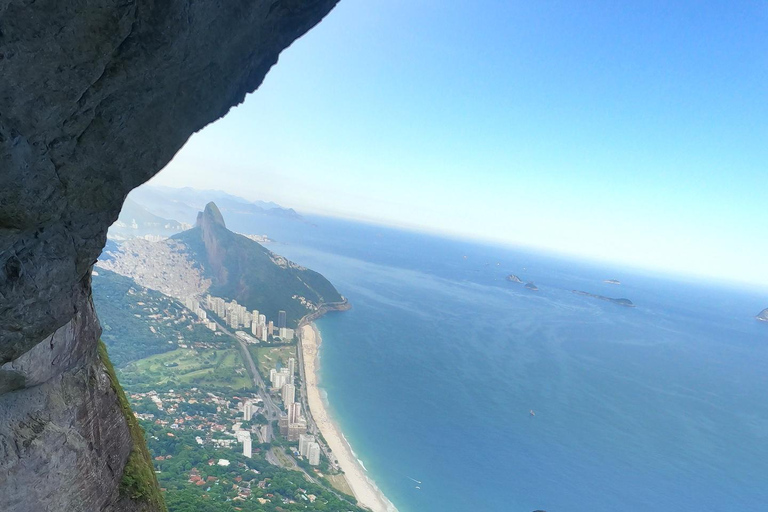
(139, 482)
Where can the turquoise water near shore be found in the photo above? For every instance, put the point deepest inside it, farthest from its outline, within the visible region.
(432, 374)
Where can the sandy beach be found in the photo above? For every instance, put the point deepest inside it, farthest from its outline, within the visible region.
(364, 489)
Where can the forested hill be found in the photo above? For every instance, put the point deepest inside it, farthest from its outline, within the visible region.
(243, 270)
(138, 322)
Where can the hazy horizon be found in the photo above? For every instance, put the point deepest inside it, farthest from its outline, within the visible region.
(627, 134)
(686, 277)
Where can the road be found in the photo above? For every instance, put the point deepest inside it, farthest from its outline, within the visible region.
(276, 455)
(272, 411)
(285, 460)
(311, 425)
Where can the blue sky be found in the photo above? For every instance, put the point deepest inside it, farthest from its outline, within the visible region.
(634, 132)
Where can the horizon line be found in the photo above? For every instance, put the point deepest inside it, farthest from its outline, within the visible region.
(678, 275)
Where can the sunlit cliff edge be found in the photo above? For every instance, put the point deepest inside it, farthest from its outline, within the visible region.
(96, 98)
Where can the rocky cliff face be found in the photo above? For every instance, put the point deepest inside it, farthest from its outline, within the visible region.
(96, 96)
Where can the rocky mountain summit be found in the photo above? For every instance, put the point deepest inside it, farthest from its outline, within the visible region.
(96, 97)
(210, 258)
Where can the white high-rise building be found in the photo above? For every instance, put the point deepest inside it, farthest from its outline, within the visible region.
(249, 409)
(294, 412)
(245, 437)
(304, 440)
(247, 447)
(292, 367)
(279, 378)
(289, 394)
(313, 454)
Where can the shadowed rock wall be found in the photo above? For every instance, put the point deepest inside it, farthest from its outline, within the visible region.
(96, 96)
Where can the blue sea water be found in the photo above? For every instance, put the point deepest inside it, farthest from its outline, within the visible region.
(434, 370)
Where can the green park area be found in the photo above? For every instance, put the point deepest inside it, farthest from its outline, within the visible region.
(267, 358)
(188, 368)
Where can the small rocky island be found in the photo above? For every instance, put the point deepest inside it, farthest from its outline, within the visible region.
(621, 302)
(763, 315)
(612, 281)
(514, 278)
(531, 286)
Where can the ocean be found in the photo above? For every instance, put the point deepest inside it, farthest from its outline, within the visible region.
(434, 371)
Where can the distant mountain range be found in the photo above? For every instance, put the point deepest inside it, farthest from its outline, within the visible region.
(183, 204)
(135, 220)
(154, 211)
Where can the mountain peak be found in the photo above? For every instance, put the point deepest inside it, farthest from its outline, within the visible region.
(211, 215)
(239, 268)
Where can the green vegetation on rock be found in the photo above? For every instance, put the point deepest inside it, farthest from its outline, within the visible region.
(138, 482)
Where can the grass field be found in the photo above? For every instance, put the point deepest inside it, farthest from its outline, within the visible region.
(339, 482)
(267, 358)
(218, 368)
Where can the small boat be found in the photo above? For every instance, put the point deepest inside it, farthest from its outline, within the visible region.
(532, 413)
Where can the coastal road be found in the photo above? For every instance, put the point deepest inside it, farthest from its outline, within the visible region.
(312, 426)
(288, 462)
(272, 411)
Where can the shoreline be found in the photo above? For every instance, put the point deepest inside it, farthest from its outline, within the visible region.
(364, 489)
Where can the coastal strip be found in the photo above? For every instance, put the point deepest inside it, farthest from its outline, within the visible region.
(364, 489)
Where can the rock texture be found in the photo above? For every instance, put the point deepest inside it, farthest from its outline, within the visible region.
(96, 96)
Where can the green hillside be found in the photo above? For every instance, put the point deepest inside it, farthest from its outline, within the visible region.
(244, 270)
(138, 322)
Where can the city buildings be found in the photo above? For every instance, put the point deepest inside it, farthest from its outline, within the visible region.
(292, 424)
(309, 448)
(280, 378)
(292, 367)
(291, 430)
(249, 409)
(313, 453)
(294, 412)
(304, 440)
(245, 437)
(289, 393)
(237, 316)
